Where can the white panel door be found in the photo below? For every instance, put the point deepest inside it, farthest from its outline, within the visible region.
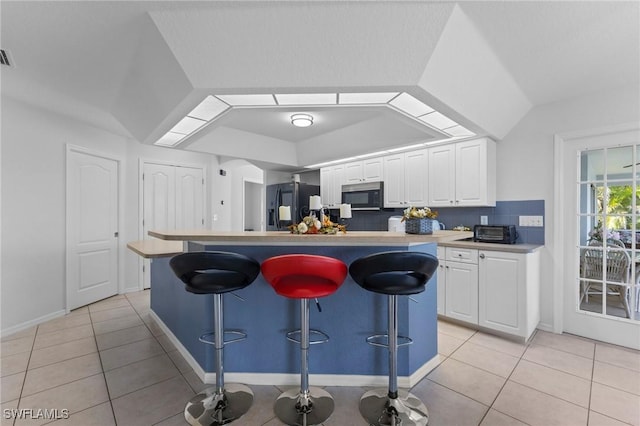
(416, 178)
(92, 228)
(442, 175)
(189, 205)
(159, 197)
(500, 281)
(394, 185)
(471, 172)
(461, 298)
(173, 198)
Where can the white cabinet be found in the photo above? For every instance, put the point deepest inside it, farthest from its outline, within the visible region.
(509, 292)
(405, 179)
(369, 170)
(461, 285)
(492, 289)
(463, 174)
(441, 277)
(331, 180)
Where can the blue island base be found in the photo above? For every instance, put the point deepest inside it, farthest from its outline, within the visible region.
(266, 357)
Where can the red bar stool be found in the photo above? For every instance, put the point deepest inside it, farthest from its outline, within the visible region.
(216, 273)
(394, 273)
(304, 277)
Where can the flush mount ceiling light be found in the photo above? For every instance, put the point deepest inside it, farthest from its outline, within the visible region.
(302, 120)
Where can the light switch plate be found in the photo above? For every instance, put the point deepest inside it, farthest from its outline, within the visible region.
(484, 220)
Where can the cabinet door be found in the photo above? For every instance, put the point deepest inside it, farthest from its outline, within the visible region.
(326, 185)
(394, 189)
(501, 280)
(372, 170)
(441, 172)
(471, 173)
(353, 172)
(337, 179)
(461, 293)
(441, 276)
(416, 178)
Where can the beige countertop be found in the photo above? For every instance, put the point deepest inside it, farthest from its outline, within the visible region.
(156, 248)
(511, 248)
(280, 237)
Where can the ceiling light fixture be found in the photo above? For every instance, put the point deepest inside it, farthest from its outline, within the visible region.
(302, 120)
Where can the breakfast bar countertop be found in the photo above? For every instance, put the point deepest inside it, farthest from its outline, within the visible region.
(271, 237)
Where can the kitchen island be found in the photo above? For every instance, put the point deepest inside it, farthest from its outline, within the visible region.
(348, 316)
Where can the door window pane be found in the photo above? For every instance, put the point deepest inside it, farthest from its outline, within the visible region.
(609, 233)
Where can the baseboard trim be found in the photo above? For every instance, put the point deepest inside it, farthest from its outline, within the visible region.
(28, 324)
(286, 379)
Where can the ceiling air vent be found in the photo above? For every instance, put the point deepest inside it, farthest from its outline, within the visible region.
(5, 58)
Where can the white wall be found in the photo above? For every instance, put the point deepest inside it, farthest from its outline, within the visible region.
(33, 205)
(230, 214)
(525, 159)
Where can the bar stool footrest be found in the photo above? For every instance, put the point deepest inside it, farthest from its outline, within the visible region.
(209, 338)
(324, 338)
(382, 340)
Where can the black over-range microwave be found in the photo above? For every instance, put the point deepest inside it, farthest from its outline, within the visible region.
(363, 196)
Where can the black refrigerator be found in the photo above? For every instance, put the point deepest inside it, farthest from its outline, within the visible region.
(292, 194)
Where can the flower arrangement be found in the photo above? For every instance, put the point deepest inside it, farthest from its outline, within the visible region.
(312, 225)
(416, 213)
(600, 234)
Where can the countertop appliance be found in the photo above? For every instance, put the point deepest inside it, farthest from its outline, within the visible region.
(363, 196)
(395, 224)
(502, 234)
(294, 194)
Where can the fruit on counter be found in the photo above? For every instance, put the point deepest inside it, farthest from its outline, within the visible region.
(461, 228)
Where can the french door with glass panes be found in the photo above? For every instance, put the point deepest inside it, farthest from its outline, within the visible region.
(602, 237)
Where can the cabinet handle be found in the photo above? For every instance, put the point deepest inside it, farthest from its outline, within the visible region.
(481, 256)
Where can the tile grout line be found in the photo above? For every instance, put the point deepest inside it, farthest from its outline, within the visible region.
(104, 376)
(527, 345)
(24, 379)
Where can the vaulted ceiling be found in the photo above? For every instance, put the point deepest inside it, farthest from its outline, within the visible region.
(135, 68)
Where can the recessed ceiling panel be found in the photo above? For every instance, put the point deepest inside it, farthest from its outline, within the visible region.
(412, 106)
(242, 100)
(437, 120)
(365, 98)
(307, 99)
(208, 109)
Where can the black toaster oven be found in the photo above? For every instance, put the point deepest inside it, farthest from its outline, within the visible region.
(502, 234)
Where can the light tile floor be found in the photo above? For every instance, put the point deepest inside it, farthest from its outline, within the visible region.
(109, 363)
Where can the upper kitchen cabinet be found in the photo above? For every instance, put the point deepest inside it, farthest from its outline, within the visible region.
(369, 170)
(331, 180)
(405, 179)
(463, 174)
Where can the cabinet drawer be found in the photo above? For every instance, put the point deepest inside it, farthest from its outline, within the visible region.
(461, 255)
(441, 253)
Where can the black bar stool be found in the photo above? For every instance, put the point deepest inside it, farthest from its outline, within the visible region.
(216, 273)
(304, 277)
(394, 273)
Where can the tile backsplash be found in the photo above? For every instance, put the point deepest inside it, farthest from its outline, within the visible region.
(504, 213)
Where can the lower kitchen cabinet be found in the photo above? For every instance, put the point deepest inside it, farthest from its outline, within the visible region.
(492, 289)
(508, 292)
(461, 288)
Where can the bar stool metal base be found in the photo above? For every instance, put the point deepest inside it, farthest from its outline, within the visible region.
(212, 409)
(293, 408)
(405, 410)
